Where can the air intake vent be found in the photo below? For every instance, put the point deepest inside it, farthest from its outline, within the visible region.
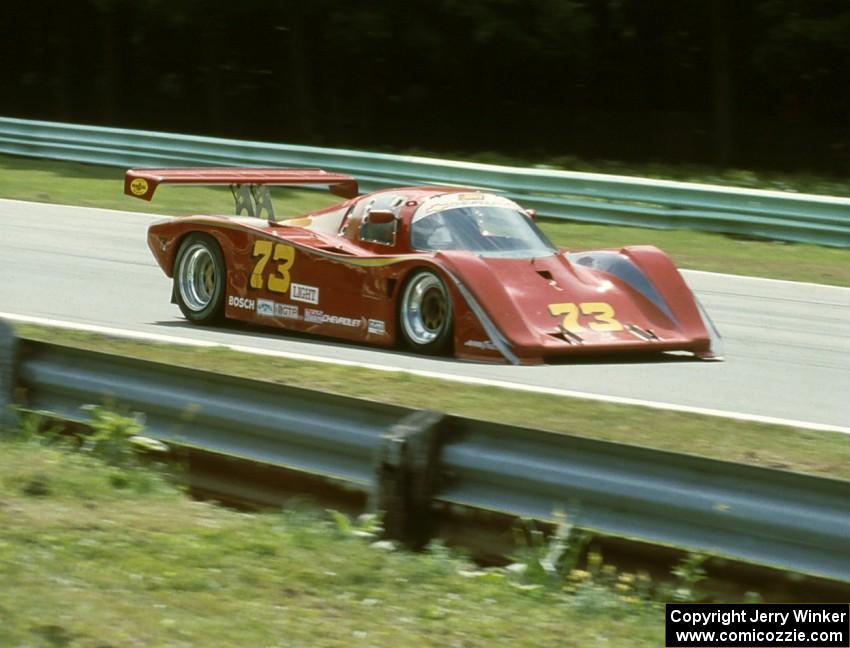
(548, 277)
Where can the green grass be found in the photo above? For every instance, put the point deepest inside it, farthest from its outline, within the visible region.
(95, 556)
(773, 446)
(93, 186)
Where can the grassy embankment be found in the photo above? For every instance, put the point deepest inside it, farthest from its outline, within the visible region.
(94, 554)
(93, 186)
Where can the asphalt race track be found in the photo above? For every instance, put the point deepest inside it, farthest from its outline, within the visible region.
(787, 345)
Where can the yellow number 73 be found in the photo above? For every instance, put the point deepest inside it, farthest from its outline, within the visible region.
(601, 312)
(265, 250)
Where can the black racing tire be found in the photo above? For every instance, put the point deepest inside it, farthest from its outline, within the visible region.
(200, 276)
(425, 313)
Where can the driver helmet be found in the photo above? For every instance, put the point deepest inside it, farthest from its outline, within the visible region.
(435, 231)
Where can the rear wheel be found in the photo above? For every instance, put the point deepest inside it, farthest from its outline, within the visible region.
(425, 313)
(199, 275)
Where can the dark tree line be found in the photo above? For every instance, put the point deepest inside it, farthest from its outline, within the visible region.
(741, 82)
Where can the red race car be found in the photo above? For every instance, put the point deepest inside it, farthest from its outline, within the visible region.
(437, 269)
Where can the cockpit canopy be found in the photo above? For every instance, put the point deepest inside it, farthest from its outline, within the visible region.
(490, 226)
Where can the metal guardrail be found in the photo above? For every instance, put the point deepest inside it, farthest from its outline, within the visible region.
(768, 517)
(576, 196)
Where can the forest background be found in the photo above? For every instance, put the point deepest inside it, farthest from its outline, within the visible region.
(762, 84)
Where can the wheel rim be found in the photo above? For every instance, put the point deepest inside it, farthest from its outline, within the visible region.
(425, 309)
(197, 277)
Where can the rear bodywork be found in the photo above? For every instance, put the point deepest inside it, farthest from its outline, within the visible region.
(321, 274)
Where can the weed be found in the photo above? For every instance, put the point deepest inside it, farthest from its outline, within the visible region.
(367, 525)
(35, 425)
(689, 573)
(544, 562)
(111, 434)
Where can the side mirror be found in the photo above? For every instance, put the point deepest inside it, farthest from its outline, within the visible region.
(380, 217)
(532, 213)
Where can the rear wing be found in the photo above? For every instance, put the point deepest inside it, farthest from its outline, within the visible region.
(249, 186)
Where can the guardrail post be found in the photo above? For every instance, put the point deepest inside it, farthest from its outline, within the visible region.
(405, 476)
(8, 371)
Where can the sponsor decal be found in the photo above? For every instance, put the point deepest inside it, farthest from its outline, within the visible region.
(139, 187)
(313, 315)
(320, 317)
(377, 327)
(480, 344)
(265, 307)
(286, 311)
(302, 293)
(454, 200)
(241, 302)
(343, 321)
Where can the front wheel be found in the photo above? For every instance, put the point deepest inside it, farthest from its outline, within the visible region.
(425, 313)
(199, 275)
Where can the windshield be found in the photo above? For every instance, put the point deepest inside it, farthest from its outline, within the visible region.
(486, 230)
